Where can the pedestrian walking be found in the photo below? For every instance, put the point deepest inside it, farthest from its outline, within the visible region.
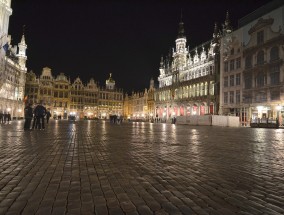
(40, 112)
(8, 117)
(5, 117)
(48, 115)
(35, 124)
(28, 116)
(1, 117)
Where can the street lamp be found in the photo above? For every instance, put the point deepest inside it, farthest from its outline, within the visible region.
(278, 108)
(19, 112)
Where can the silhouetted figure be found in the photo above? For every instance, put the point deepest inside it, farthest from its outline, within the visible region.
(8, 117)
(5, 117)
(1, 117)
(40, 112)
(28, 116)
(48, 115)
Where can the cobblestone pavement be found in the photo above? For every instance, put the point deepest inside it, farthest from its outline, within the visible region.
(94, 167)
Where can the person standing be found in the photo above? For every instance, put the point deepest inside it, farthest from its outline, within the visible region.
(48, 115)
(28, 116)
(1, 117)
(5, 117)
(40, 112)
(8, 117)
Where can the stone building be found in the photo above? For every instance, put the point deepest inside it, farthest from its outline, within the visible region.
(65, 99)
(110, 100)
(12, 67)
(140, 105)
(252, 71)
(188, 81)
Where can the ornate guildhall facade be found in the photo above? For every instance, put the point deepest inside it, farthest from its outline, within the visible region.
(64, 98)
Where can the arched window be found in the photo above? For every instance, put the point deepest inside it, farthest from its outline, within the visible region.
(260, 58)
(274, 53)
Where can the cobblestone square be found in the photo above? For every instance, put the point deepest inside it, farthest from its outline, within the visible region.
(94, 167)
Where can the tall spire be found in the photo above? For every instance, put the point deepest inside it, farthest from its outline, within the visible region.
(216, 33)
(216, 39)
(227, 28)
(23, 42)
(22, 51)
(181, 33)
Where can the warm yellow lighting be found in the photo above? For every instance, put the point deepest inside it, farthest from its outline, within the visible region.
(259, 108)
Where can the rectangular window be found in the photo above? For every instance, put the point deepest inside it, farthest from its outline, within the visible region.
(274, 75)
(238, 97)
(260, 80)
(238, 63)
(260, 37)
(261, 97)
(226, 66)
(231, 97)
(248, 81)
(275, 95)
(226, 81)
(238, 79)
(248, 62)
(232, 80)
(211, 70)
(232, 65)
(225, 97)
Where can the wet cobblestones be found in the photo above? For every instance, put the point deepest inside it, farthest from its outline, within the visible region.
(94, 167)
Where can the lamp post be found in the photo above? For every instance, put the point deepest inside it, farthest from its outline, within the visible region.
(278, 108)
(19, 113)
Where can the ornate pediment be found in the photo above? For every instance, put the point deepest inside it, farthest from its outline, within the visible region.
(261, 23)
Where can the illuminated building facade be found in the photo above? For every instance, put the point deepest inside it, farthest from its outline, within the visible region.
(65, 99)
(252, 70)
(188, 81)
(12, 67)
(140, 105)
(110, 100)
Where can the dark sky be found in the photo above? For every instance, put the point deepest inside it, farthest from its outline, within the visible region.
(124, 37)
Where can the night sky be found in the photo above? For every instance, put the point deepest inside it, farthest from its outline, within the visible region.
(91, 39)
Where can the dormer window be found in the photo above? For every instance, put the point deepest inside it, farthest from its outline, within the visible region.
(260, 37)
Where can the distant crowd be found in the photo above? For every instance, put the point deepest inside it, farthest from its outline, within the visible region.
(5, 117)
(35, 117)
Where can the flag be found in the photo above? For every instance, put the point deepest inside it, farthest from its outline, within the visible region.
(25, 99)
(5, 47)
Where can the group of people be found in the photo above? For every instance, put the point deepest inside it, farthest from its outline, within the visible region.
(37, 115)
(115, 119)
(5, 117)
